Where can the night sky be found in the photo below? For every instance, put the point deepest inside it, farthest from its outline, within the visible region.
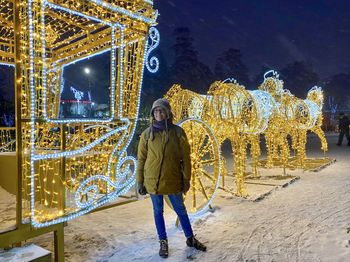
(268, 33)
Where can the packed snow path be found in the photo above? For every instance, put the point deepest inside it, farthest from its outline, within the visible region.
(305, 221)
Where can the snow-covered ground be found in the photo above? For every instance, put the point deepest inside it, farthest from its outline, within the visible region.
(7, 210)
(305, 221)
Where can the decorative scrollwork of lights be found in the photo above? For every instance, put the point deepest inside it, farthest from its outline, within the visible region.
(152, 63)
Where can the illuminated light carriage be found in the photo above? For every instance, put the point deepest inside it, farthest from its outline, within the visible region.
(92, 154)
(67, 167)
(230, 112)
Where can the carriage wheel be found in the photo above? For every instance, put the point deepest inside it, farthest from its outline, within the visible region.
(205, 159)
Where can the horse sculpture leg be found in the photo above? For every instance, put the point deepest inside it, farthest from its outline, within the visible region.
(255, 152)
(270, 148)
(284, 152)
(301, 151)
(239, 150)
(319, 132)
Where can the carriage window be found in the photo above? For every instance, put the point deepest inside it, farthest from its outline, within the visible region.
(85, 88)
(7, 96)
(80, 67)
(7, 149)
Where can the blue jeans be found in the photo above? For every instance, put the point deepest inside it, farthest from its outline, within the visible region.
(180, 209)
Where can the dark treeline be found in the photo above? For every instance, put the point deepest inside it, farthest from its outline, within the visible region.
(188, 71)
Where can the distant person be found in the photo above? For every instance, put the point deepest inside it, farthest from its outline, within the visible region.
(164, 168)
(343, 127)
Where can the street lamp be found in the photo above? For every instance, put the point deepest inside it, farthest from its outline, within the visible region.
(87, 72)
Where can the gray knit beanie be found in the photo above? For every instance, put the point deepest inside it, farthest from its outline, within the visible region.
(163, 104)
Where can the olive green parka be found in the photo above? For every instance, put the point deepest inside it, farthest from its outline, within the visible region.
(163, 164)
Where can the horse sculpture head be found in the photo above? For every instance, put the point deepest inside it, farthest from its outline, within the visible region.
(315, 95)
(272, 84)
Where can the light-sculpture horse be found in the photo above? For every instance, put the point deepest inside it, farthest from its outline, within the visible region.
(307, 117)
(278, 128)
(190, 111)
(294, 118)
(316, 95)
(242, 115)
(231, 108)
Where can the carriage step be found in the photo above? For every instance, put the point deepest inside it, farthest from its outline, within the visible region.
(26, 253)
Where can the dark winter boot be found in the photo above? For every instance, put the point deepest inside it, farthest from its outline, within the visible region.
(163, 251)
(193, 242)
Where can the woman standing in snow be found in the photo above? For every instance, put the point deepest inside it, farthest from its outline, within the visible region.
(164, 168)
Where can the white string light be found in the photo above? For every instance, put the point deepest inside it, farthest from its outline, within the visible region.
(7, 64)
(82, 149)
(152, 43)
(265, 105)
(123, 11)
